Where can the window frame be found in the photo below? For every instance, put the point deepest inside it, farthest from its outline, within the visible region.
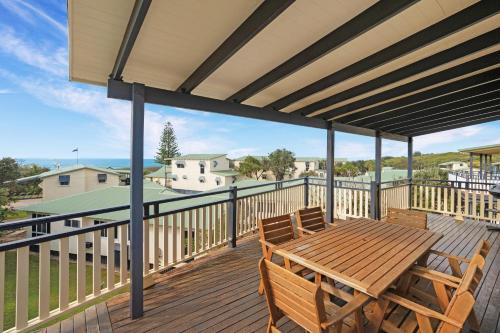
(99, 175)
(64, 183)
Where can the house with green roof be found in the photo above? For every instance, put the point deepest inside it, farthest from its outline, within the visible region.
(67, 181)
(201, 172)
(162, 176)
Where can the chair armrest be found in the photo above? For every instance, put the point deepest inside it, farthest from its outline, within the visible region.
(449, 256)
(310, 232)
(269, 245)
(420, 309)
(357, 303)
(432, 274)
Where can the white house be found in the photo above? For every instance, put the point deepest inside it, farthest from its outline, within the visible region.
(302, 164)
(201, 172)
(162, 176)
(68, 181)
(453, 165)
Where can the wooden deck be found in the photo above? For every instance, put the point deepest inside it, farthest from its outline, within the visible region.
(218, 293)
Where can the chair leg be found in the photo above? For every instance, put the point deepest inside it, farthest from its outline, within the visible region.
(473, 322)
(261, 287)
(377, 317)
(269, 325)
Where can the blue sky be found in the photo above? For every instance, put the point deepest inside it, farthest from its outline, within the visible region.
(43, 115)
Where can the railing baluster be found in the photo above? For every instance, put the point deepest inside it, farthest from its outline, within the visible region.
(80, 268)
(165, 240)
(43, 281)
(190, 234)
(197, 230)
(110, 261)
(183, 235)
(22, 284)
(175, 243)
(445, 201)
(63, 273)
(204, 230)
(211, 240)
(96, 263)
(145, 228)
(156, 242)
(123, 253)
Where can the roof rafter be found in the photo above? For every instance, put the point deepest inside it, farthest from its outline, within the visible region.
(257, 21)
(399, 120)
(134, 25)
(469, 86)
(478, 43)
(457, 123)
(454, 23)
(376, 14)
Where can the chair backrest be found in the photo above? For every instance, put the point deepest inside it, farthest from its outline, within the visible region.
(483, 249)
(276, 230)
(310, 219)
(406, 217)
(462, 302)
(293, 296)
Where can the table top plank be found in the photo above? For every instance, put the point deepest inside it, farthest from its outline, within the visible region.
(364, 254)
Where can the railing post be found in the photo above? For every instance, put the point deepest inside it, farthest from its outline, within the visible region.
(375, 200)
(231, 215)
(306, 192)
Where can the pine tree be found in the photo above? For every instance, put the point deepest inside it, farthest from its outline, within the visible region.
(168, 147)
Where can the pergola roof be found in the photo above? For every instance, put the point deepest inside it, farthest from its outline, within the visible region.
(488, 150)
(402, 68)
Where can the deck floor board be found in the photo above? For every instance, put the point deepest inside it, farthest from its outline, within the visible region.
(218, 293)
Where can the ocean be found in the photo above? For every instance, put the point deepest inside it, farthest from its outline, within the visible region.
(97, 162)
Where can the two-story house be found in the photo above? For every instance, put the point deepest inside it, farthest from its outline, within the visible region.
(63, 182)
(200, 172)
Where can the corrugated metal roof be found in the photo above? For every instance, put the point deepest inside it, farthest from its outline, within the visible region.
(199, 156)
(65, 170)
(161, 172)
(225, 173)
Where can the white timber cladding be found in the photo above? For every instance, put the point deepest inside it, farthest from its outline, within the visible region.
(81, 180)
(188, 174)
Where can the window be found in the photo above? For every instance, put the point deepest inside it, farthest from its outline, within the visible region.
(184, 177)
(201, 179)
(104, 232)
(180, 165)
(64, 180)
(102, 177)
(72, 223)
(307, 166)
(217, 181)
(202, 169)
(40, 229)
(214, 163)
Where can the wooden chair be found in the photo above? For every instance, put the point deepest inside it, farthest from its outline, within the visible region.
(455, 261)
(305, 303)
(274, 231)
(406, 217)
(310, 220)
(455, 309)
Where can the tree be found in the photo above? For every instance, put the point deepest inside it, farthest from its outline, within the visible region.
(168, 147)
(252, 167)
(310, 173)
(282, 163)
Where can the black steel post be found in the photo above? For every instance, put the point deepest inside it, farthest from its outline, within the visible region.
(136, 201)
(378, 172)
(330, 183)
(373, 200)
(231, 215)
(306, 192)
(410, 171)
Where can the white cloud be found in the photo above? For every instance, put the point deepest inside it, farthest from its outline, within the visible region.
(25, 10)
(440, 139)
(5, 91)
(354, 150)
(52, 61)
(238, 152)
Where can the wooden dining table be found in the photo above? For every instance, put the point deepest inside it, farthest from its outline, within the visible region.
(366, 255)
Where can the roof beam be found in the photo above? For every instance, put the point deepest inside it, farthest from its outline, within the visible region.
(454, 23)
(472, 85)
(371, 17)
(480, 119)
(409, 118)
(458, 51)
(122, 90)
(367, 132)
(455, 99)
(257, 21)
(468, 111)
(419, 84)
(134, 25)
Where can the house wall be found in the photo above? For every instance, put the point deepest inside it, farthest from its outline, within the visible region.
(82, 180)
(191, 172)
(161, 181)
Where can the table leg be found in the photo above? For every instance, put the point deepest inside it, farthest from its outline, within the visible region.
(377, 315)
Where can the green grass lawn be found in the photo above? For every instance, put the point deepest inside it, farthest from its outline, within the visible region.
(10, 285)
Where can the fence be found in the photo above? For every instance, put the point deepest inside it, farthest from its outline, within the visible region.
(172, 235)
